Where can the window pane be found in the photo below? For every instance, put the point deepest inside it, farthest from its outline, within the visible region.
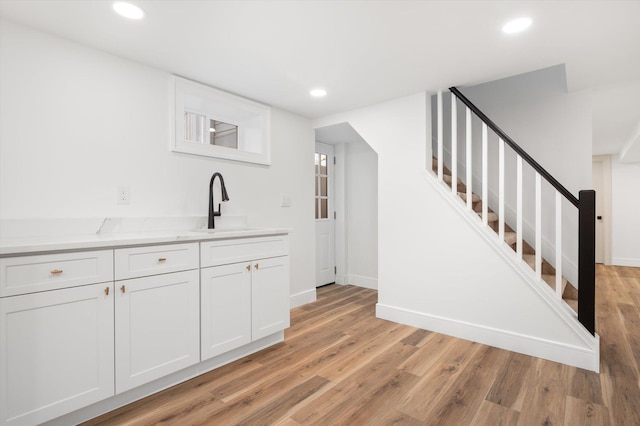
(323, 209)
(317, 162)
(317, 180)
(194, 127)
(223, 134)
(323, 164)
(316, 201)
(323, 186)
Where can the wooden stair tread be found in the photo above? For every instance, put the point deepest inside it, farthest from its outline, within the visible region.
(491, 216)
(474, 197)
(510, 238)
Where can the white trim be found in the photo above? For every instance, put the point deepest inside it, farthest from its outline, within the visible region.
(361, 281)
(302, 298)
(625, 261)
(581, 357)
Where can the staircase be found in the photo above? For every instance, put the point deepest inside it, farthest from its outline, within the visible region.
(548, 275)
(545, 273)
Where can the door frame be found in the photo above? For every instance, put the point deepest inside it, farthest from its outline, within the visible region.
(605, 161)
(331, 208)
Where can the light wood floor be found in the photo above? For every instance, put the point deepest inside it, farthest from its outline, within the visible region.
(339, 365)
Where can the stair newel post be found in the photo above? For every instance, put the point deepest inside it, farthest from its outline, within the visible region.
(587, 259)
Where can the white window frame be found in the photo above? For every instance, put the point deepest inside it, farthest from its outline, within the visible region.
(252, 118)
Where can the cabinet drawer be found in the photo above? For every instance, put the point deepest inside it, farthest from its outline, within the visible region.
(222, 252)
(145, 261)
(29, 274)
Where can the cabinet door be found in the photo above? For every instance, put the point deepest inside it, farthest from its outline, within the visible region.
(56, 352)
(226, 308)
(156, 326)
(270, 296)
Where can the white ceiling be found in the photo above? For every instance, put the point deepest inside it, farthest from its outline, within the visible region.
(364, 52)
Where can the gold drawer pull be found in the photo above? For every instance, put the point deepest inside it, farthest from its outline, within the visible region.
(257, 265)
(249, 267)
(56, 271)
(123, 289)
(162, 259)
(106, 291)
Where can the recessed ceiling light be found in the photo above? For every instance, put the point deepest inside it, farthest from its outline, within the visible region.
(318, 93)
(128, 10)
(517, 25)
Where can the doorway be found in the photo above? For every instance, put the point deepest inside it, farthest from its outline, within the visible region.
(602, 186)
(324, 215)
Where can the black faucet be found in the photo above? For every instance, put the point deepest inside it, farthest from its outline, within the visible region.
(225, 197)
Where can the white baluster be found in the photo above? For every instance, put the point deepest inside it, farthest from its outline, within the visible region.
(454, 145)
(538, 226)
(558, 244)
(500, 189)
(469, 175)
(440, 137)
(485, 177)
(519, 207)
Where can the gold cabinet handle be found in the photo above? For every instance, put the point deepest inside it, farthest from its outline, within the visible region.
(257, 266)
(56, 271)
(123, 289)
(106, 291)
(249, 267)
(162, 259)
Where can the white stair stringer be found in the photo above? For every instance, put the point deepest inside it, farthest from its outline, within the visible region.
(586, 356)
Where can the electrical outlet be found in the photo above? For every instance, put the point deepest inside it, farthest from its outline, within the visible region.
(123, 195)
(285, 200)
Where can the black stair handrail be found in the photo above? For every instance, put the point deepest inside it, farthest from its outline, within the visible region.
(521, 152)
(586, 205)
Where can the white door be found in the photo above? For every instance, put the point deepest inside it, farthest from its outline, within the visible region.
(225, 306)
(325, 234)
(598, 186)
(157, 327)
(56, 352)
(269, 296)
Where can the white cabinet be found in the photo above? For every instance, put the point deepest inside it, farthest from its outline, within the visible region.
(226, 308)
(157, 317)
(269, 296)
(242, 301)
(56, 352)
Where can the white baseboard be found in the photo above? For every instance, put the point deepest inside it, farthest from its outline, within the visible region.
(626, 261)
(302, 298)
(582, 357)
(341, 279)
(360, 281)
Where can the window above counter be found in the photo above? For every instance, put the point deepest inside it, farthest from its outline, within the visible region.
(213, 123)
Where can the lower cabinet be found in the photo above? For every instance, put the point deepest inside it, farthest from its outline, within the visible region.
(243, 302)
(156, 327)
(56, 352)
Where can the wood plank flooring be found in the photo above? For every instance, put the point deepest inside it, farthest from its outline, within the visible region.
(339, 365)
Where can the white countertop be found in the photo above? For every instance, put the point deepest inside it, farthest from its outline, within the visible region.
(32, 245)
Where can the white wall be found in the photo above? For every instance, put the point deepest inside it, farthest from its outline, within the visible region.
(77, 122)
(361, 186)
(552, 126)
(435, 270)
(625, 205)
